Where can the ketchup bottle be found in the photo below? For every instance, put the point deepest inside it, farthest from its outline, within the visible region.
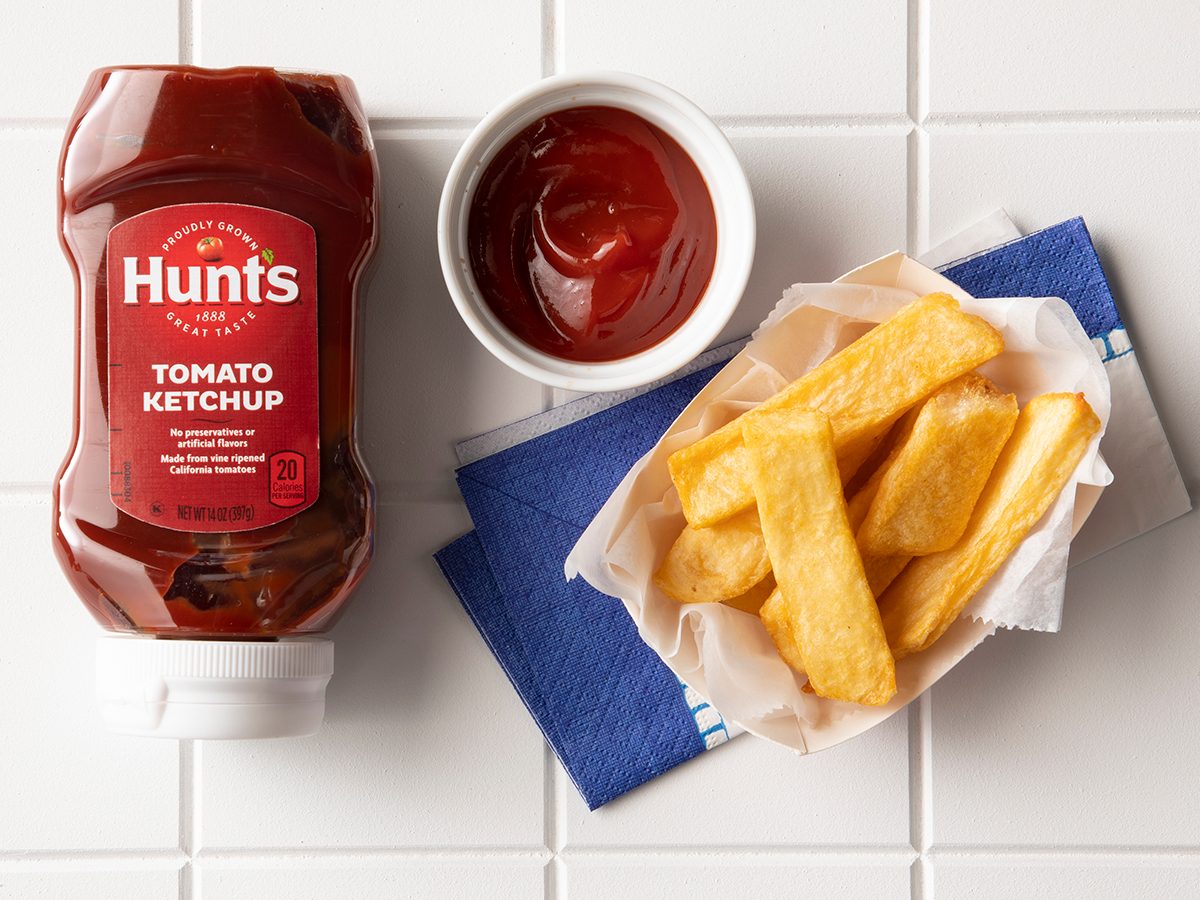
(212, 511)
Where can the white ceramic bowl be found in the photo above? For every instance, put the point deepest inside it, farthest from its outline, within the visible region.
(733, 205)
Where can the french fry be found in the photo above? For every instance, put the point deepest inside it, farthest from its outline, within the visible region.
(863, 389)
(828, 608)
(860, 502)
(925, 496)
(881, 571)
(881, 454)
(752, 601)
(1051, 435)
(711, 565)
(776, 619)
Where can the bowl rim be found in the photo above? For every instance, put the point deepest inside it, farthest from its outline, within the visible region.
(724, 177)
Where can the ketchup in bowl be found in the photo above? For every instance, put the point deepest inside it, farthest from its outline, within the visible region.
(592, 235)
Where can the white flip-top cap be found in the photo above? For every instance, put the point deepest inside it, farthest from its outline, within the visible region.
(213, 689)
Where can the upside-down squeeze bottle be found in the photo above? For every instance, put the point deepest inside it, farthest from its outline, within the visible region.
(212, 511)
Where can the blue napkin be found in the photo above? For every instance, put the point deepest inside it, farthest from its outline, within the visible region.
(614, 714)
(1059, 261)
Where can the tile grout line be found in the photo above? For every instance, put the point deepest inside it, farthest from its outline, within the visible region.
(549, 872)
(813, 854)
(328, 855)
(920, 795)
(1060, 119)
(1114, 855)
(946, 854)
(920, 725)
(187, 818)
(189, 34)
(554, 883)
(131, 858)
(410, 127)
(918, 112)
(27, 494)
(549, 43)
(951, 854)
(562, 791)
(32, 123)
(414, 127)
(560, 36)
(553, 874)
(184, 14)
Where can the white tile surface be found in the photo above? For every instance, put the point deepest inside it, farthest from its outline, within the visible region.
(853, 794)
(1116, 880)
(48, 49)
(701, 876)
(1076, 55)
(410, 375)
(396, 881)
(826, 203)
(65, 783)
(408, 57)
(37, 362)
(88, 884)
(778, 57)
(1084, 737)
(424, 743)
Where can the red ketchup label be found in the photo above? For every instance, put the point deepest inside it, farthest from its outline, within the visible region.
(212, 379)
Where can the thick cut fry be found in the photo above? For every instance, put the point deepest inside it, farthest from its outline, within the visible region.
(860, 502)
(881, 571)
(887, 447)
(716, 564)
(829, 609)
(1052, 433)
(710, 565)
(924, 498)
(707, 565)
(863, 389)
(776, 620)
(752, 601)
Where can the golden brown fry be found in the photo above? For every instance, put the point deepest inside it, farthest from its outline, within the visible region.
(1052, 433)
(882, 453)
(863, 389)
(740, 551)
(710, 565)
(924, 498)
(860, 502)
(828, 606)
(881, 571)
(776, 620)
(753, 600)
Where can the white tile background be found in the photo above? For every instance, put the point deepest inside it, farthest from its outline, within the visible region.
(1044, 766)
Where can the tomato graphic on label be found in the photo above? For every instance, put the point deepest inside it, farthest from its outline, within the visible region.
(210, 249)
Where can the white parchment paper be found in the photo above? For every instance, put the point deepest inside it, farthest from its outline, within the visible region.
(726, 654)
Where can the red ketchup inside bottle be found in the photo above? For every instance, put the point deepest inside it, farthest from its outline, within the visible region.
(592, 234)
(212, 511)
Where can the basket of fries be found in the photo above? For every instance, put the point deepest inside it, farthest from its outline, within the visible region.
(889, 471)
